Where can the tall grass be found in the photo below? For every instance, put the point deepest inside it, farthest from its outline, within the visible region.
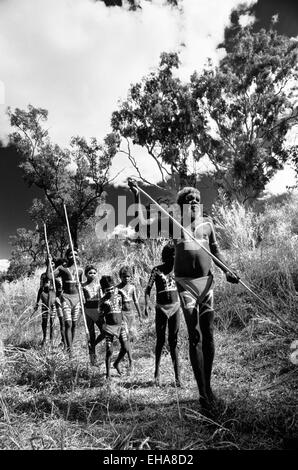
(50, 402)
(262, 249)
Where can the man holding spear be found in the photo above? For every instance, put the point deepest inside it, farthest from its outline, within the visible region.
(70, 298)
(48, 294)
(194, 248)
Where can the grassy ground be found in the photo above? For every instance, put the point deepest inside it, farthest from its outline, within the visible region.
(47, 402)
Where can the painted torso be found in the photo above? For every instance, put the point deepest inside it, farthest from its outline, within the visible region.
(166, 290)
(111, 308)
(190, 259)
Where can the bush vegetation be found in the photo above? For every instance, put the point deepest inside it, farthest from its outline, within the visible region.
(49, 402)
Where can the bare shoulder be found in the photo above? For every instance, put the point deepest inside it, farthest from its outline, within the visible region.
(208, 221)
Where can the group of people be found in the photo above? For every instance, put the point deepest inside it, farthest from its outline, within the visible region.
(183, 282)
(107, 306)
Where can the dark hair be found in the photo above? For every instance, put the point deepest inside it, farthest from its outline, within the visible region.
(181, 196)
(69, 251)
(125, 270)
(106, 281)
(168, 252)
(88, 268)
(60, 261)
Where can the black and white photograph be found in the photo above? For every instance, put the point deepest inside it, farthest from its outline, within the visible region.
(149, 230)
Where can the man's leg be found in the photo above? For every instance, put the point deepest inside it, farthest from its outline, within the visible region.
(160, 329)
(100, 338)
(124, 349)
(206, 326)
(91, 329)
(101, 335)
(131, 325)
(174, 323)
(61, 322)
(75, 312)
(109, 353)
(52, 321)
(62, 331)
(44, 323)
(196, 350)
(66, 308)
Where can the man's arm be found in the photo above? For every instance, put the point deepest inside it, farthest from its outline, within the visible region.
(38, 298)
(41, 285)
(136, 302)
(214, 249)
(146, 223)
(147, 306)
(101, 318)
(80, 273)
(56, 271)
(148, 291)
(139, 212)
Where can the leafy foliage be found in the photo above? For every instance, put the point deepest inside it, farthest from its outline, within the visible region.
(26, 254)
(157, 116)
(75, 177)
(249, 102)
(238, 114)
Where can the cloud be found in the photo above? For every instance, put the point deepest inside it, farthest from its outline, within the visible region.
(4, 264)
(78, 58)
(282, 180)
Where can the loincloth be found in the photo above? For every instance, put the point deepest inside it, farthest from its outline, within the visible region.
(71, 299)
(168, 309)
(196, 292)
(114, 330)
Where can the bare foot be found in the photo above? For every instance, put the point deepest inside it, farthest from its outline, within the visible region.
(93, 359)
(214, 400)
(157, 381)
(116, 366)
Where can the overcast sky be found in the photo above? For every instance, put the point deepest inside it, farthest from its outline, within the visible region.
(77, 58)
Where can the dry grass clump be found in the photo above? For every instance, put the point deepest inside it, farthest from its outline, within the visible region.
(263, 251)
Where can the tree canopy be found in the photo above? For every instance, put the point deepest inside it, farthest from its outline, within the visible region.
(237, 114)
(75, 177)
(249, 102)
(157, 115)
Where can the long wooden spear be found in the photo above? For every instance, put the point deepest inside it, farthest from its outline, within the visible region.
(219, 262)
(48, 253)
(77, 277)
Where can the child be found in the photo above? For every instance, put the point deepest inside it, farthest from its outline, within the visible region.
(113, 323)
(167, 309)
(70, 299)
(59, 290)
(46, 295)
(128, 291)
(92, 294)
